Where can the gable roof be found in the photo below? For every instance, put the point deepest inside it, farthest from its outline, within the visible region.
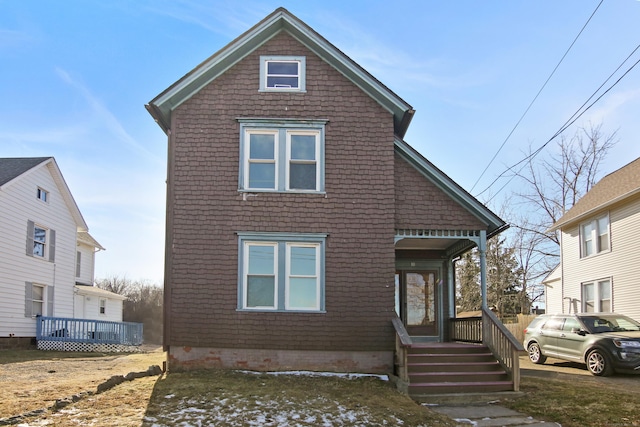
(12, 169)
(441, 180)
(613, 188)
(162, 106)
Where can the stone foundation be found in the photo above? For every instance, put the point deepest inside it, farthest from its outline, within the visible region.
(373, 362)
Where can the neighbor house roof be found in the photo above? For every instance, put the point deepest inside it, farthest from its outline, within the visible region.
(86, 238)
(98, 292)
(613, 188)
(12, 169)
(163, 105)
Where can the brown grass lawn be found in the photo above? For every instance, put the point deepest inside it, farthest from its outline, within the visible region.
(217, 398)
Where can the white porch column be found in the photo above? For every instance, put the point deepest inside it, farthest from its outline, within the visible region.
(482, 248)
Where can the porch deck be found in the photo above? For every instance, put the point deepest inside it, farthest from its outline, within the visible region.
(66, 334)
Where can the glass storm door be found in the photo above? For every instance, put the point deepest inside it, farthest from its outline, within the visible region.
(420, 302)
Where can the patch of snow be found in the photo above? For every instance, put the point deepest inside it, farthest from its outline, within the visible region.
(319, 374)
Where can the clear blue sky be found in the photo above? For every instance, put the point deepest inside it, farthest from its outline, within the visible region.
(75, 75)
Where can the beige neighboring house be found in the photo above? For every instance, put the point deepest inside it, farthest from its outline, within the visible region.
(599, 269)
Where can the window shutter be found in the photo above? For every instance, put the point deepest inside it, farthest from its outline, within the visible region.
(52, 245)
(30, 231)
(50, 291)
(78, 263)
(28, 298)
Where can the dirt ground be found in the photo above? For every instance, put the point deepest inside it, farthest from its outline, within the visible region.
(36, 384)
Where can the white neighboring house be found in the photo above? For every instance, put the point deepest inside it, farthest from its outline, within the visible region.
(44, 275)
(599, 268)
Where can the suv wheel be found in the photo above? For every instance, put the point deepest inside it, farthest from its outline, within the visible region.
(535, 355)
(598, 363)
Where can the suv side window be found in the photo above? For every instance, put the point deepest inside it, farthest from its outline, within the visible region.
(570, 324)
(554, 324)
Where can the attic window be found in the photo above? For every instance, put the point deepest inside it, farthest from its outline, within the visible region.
(282, 73)
(42, 195)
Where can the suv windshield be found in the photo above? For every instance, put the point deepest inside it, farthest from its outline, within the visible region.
(597, 324)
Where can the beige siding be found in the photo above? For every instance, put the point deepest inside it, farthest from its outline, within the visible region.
(621, 264)
(18, 204)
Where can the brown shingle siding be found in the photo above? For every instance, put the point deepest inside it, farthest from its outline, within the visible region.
(422, 205)
(357, 212)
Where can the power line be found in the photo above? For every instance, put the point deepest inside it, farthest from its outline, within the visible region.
(535, 98)
(566, 125)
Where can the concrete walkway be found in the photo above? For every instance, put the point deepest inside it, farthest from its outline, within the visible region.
(487, 415)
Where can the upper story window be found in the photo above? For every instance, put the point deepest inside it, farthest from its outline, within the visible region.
(281, 272)
(282, 156)
(282, 73)
(594, 236)
(40, 241)
(42, 194)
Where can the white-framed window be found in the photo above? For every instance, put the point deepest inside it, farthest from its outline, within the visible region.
(38, 300)
(103, 306)
(282, 156)
(596, 296)
(594, 236)
(40, 241)
(281, 272)
(42, 194)
(283, 73)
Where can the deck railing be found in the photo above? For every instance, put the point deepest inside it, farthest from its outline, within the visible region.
(466, 329)
(490, 331)
(88, 331)
(502, 344)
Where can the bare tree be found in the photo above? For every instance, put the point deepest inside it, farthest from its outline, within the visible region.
(552, 186)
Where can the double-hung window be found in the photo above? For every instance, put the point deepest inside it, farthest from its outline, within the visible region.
(38, 300)
(281, 272)
(282, 73)
(596, 296)
(282, 156)
(594, 236)
(41, 241)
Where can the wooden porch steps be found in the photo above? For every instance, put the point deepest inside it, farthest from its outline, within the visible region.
(441, 368)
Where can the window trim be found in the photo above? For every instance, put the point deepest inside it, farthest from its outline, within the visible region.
(597, 293)
(302, 77)
(283, 128)
(42, 195)
(281, 242)
(594, 237)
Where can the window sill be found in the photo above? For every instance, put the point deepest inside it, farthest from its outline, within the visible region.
(257, 190)
(266, 310)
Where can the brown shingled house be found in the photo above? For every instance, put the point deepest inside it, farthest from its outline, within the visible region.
(299, 223)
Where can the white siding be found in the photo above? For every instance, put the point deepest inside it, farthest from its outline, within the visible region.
(86, 263)
(88, 307)
(621, 264)
(18, 204)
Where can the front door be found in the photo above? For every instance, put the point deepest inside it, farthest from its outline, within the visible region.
(418, 301)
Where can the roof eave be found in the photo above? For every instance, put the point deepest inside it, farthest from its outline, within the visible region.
(579, 218)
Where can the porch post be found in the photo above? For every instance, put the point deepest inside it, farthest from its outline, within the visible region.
(482, 248)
